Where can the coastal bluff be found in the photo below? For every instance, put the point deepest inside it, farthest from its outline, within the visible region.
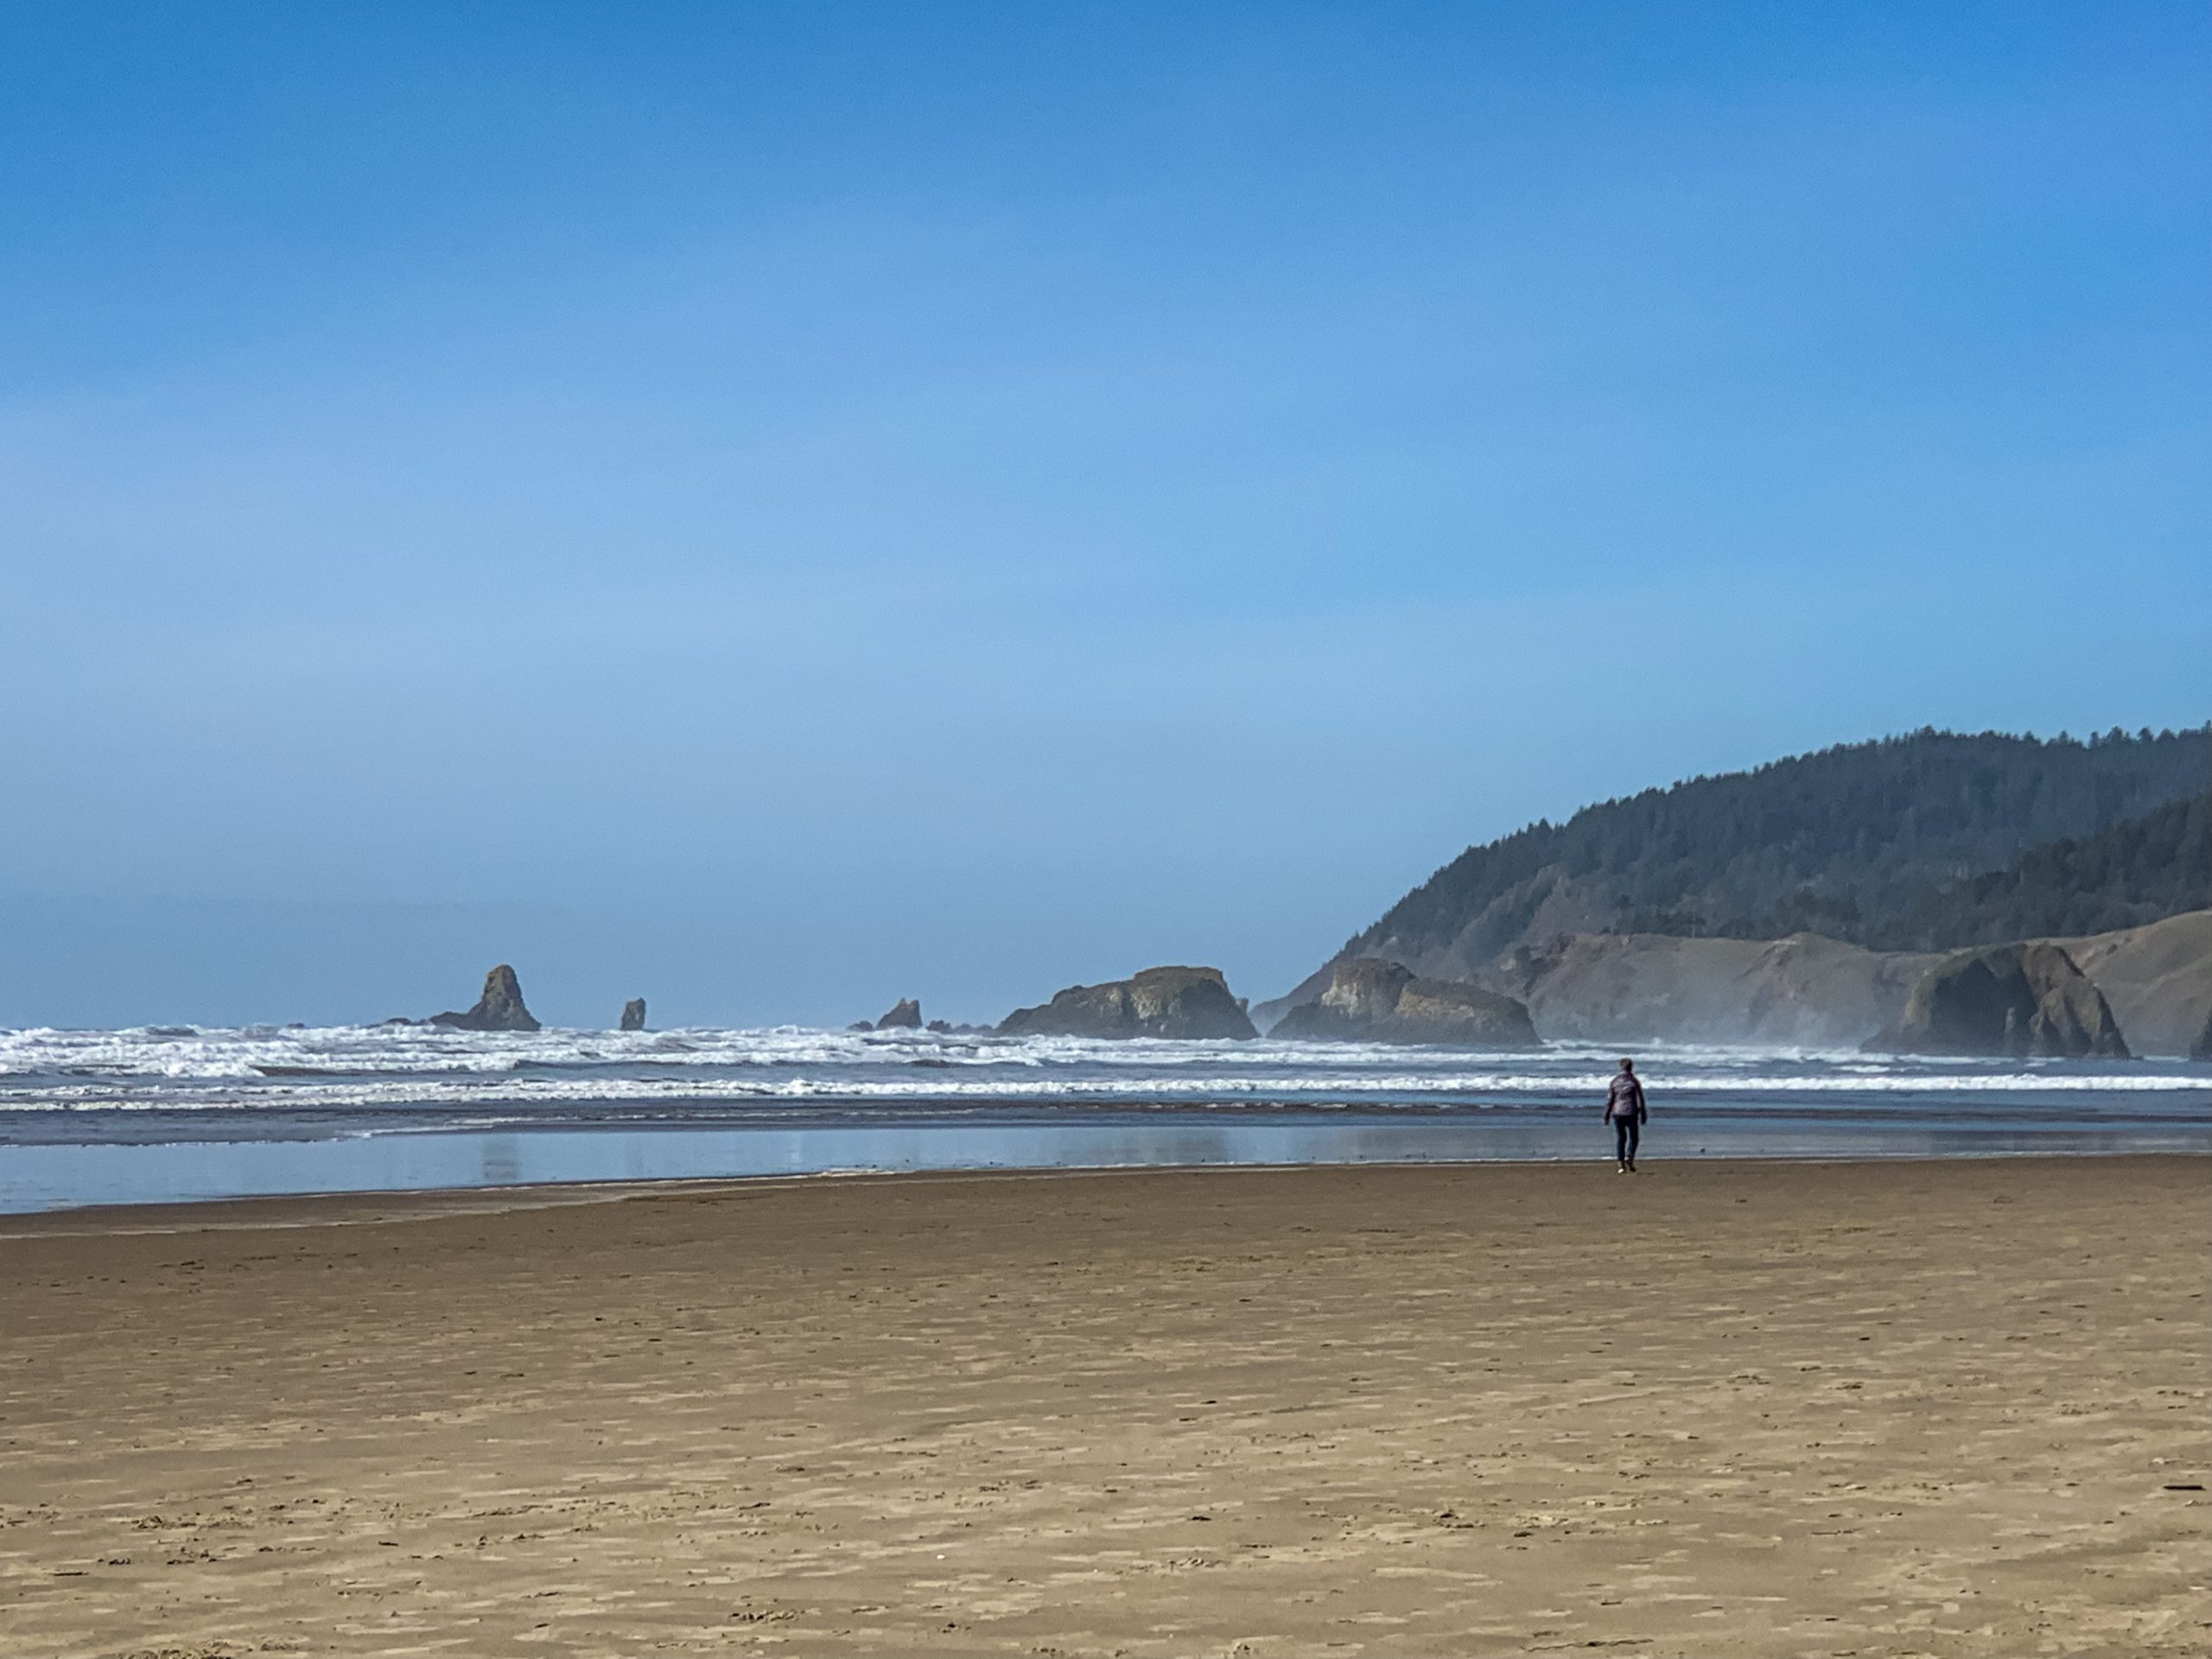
(1802, 902)
(1814, 992)
(1803, 990)
(2158, 978)
(1370, 999)
(1171, 1001)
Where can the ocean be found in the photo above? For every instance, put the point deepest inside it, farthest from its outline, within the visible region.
(170, 1114)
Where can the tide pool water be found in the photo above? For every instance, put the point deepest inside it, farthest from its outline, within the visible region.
(169, 1114)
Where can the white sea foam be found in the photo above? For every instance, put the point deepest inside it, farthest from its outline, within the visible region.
(385, 1070)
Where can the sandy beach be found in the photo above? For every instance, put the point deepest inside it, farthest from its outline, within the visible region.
(1913, 1408)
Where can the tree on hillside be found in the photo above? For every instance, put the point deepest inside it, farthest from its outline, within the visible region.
(2139, 870)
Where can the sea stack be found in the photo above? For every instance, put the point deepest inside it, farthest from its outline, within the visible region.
(2201, 1048)
(500, 1008)
(906, 1016)
(633, 1014)
(1374, 1001)
(2018, 1000)
(1185, 1002)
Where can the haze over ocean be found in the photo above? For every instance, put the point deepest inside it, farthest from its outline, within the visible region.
(776, 509)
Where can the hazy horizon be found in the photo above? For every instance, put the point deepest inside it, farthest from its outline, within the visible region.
(776, 510)
(156, 956)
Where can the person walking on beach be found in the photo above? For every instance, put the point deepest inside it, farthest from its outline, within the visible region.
(1625, 1111)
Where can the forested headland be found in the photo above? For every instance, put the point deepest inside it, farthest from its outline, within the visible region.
(1930, 841)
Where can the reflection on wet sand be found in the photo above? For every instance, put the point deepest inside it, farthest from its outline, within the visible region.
(46, 1177)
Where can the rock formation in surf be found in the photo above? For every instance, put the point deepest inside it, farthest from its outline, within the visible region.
(1369, 1000)
(2015, 1000)
(2201, 1048)
(633, 1014)
(906, 1015)
(1185, 1002)
(500, 1008)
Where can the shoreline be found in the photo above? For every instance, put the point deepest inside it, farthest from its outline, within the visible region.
(394, 1204)
(41, 1178)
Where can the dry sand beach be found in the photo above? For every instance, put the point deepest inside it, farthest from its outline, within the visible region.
(1936, 1409)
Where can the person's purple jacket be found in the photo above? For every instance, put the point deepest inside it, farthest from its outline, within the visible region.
(1625, 1098)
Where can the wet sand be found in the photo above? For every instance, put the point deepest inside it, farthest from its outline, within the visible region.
(1930, 1409)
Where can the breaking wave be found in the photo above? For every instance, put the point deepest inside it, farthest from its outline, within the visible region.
(343, 1080)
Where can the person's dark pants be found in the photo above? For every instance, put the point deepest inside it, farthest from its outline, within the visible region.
(1625, 1135)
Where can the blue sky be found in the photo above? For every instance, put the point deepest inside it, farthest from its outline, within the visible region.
(775, 508)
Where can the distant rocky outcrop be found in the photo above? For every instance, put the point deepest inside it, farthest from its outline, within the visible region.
(2018, 1000)
(2201, 1048)
(906, 1015)
(1369, 1000)
(1183, 1002)
(500, 1008)
(633, 1014)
